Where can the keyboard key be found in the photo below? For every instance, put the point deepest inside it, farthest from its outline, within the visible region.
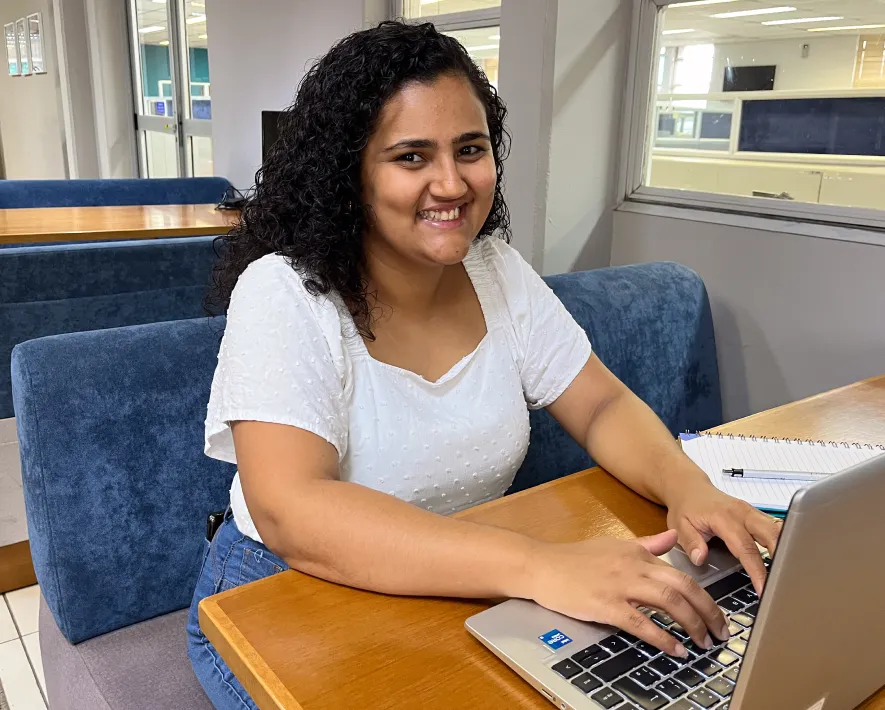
(671, 688)
(613, 644)
(567, 668)
(619, 665)
(752, 610)
(732, 674)
(735, 629)
(704, 698)
(682, 705)
(630, 638)
(689, 677)
(678, 632)
(706, 666)
(747, 596)
(645, 698)
(721, 686)
(738, 646)
(590, 656)
(648, 649)
(587, 683)
(746, 635)
(607, 697)
(662, 619)
(726, 586)
(743, 619)
(645, 677)
(663, 665)
(724, 658)
(730, 604)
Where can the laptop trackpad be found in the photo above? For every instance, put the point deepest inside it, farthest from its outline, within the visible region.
(681, 561)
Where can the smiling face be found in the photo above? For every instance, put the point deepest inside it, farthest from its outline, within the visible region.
(428, 173)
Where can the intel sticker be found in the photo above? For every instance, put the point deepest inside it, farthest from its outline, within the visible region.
(555, 639)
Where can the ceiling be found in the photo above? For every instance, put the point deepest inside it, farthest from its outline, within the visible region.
(480, 43)
(707, 28)
(151, 13)
(430, 8)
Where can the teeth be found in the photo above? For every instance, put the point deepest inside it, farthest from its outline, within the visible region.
(441, 216)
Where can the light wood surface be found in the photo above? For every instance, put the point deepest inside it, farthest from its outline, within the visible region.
(16, 568)
(68, 224)
(300, 643)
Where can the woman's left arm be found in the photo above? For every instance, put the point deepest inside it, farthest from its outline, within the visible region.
(627, 439)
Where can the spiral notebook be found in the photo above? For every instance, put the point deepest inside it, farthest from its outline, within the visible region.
(714, 452)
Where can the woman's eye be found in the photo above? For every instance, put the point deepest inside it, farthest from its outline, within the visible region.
(472, 150)
(409, 158)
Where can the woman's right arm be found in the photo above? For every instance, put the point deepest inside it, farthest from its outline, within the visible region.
(353, 535)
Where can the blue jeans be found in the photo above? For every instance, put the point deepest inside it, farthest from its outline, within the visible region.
(231, 559)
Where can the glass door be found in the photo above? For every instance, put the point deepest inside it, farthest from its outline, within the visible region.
(173, 123)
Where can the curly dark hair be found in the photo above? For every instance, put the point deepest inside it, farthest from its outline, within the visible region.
(307, 201)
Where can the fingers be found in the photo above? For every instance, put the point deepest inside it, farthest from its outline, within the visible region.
(743, 546)
(765, 529)
(635, 622)
(692, 542)
(682, 598)
(659, 544)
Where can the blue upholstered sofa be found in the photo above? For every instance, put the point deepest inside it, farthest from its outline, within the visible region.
(45, 290)
(117, 488)
(94, 193)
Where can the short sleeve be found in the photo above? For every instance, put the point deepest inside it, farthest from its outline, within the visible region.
(551, 347)
(280, 360)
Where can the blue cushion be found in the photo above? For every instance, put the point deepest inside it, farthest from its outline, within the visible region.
(111, 429)
(117, 488)
(46, 290)
(651, 325)
(115, 191)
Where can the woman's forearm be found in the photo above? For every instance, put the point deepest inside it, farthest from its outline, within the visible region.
(353, 535)
(628, 439)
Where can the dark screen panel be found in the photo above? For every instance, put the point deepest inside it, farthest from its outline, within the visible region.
(834, 126)
(751, 78)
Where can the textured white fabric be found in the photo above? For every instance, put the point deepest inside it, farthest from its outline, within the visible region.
(290, 358)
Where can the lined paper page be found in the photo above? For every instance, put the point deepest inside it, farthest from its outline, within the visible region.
(714, 453)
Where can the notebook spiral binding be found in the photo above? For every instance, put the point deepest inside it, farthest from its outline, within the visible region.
(788, 440)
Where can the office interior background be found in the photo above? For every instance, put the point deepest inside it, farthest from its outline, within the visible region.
(742, 138)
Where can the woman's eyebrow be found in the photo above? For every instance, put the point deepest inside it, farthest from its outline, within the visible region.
(417, 143)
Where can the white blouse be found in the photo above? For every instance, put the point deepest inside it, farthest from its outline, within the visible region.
(291, 358)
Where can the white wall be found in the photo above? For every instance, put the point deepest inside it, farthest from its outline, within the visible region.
(591, 51)
(829, 65)
(794, 315)
(31, 128)
(258, 52)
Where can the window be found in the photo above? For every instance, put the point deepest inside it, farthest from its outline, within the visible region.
(755, 99)
(474, 23)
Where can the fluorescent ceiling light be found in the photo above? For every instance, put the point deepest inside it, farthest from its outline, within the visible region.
(428, 2)
(196, 19)
(676, 32)
(160, 2)
(797, 20)
(749, 13)
(850, 27)
(202, 36)
(499, 36)
(151, 28)
(164, 43)
(693, 3)
(479, 47)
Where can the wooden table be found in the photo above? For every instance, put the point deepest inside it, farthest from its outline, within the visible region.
(300, 643)
(69, 224)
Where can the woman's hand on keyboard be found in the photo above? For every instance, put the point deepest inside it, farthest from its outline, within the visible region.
(606, 580)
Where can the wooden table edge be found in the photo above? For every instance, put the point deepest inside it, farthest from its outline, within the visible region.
(100, 235)
(246, 663)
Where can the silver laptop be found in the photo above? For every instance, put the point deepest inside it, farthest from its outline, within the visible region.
(815, 641)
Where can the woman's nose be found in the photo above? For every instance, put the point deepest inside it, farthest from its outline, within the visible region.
(448, 182)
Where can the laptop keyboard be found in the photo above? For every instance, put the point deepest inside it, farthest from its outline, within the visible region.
(624, 673)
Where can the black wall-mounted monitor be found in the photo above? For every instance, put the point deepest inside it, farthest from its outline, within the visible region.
(270, 131)
(751, 78)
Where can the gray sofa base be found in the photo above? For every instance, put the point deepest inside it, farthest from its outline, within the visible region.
(102, 673)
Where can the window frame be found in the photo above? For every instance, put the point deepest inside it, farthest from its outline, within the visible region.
(469, 20)
(639, 97)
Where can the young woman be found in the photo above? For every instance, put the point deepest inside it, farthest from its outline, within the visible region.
(383, 347)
